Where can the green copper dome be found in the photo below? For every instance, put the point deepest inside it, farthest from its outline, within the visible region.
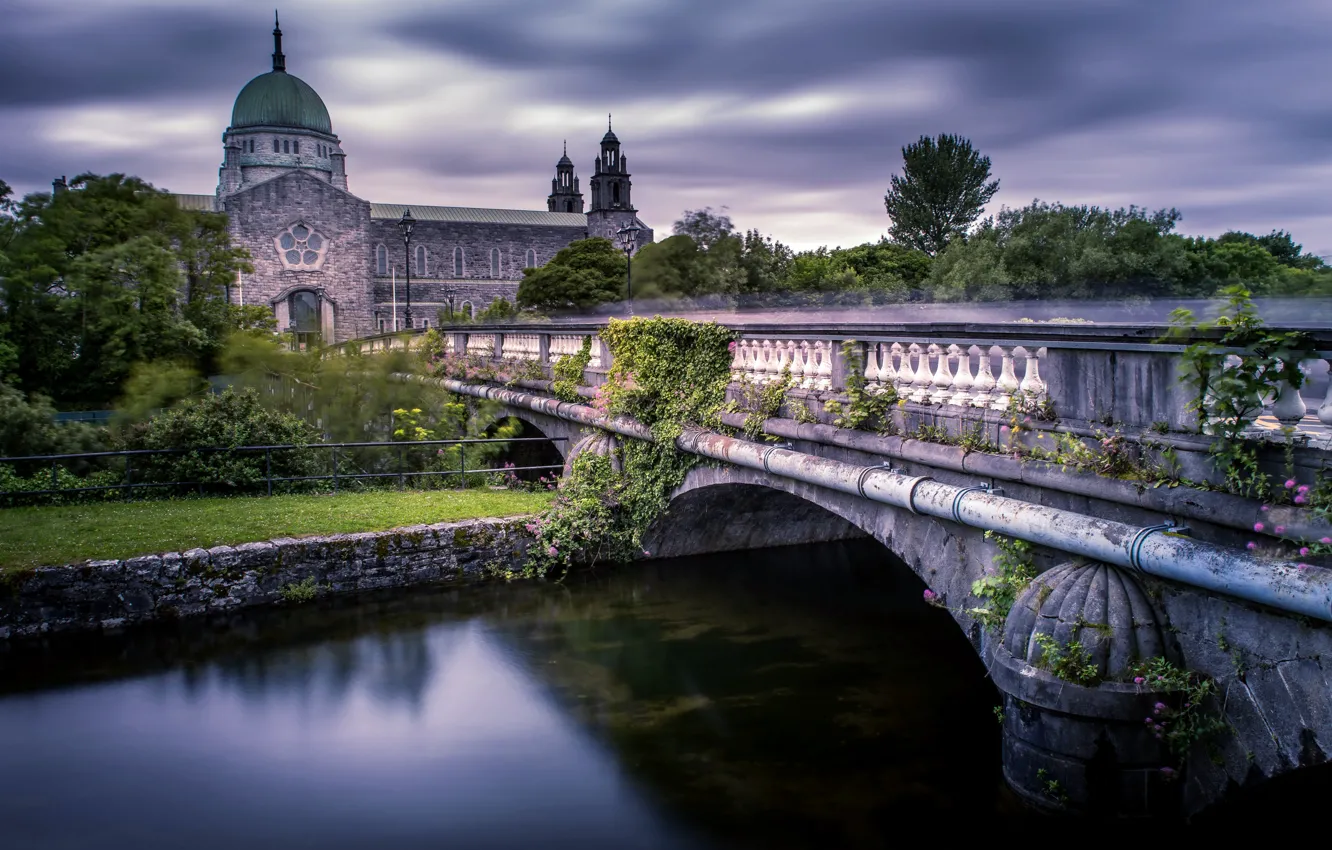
(279, 99)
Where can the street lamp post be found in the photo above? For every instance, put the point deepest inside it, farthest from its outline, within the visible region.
(628, 237)
(405, 224)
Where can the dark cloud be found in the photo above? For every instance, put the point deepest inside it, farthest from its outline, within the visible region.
(69, 53)
(1221, 109)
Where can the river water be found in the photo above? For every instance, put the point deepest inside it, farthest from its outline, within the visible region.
(797, 697)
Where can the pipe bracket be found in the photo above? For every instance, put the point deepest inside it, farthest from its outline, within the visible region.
(957, 500)
(911, 492)
(1139, 539)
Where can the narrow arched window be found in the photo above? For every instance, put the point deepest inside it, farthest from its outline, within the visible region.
(296, 146)
(466, 309)
(568, 206)
(286, 146)
(276, 147)
(531, 258)
(494, 262)
(615, 193)
(457, 262)
(421, 260)
(381, 260)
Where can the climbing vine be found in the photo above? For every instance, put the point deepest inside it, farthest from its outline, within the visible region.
(1014, 569)
(1183, 717)
(865, 405)
(1233, 376)
(760, 402)
(667, 374)
(568, 372)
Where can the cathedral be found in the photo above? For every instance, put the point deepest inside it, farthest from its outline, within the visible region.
(331, 265)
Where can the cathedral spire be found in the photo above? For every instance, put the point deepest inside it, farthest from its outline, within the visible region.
(279, 61)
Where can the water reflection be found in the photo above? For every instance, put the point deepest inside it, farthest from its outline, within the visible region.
(796, 697)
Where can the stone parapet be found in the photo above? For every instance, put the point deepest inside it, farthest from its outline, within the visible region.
(113, 593)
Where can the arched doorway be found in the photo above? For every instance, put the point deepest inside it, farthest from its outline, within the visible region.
(304, 309)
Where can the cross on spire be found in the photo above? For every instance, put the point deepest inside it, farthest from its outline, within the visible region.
(279, 61)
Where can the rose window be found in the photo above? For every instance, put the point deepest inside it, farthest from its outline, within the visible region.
(301, 248)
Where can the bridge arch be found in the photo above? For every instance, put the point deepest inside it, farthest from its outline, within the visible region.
(725, 508)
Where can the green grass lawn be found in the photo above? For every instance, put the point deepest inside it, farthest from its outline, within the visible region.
(31, 537)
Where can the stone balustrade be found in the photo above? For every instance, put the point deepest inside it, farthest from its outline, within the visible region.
(1119, 374)
(960, 373)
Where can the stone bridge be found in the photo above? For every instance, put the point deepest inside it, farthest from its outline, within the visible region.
(1129, 567)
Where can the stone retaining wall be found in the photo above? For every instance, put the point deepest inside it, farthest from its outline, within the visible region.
(111, 594)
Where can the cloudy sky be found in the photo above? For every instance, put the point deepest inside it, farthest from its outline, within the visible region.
(791, 113)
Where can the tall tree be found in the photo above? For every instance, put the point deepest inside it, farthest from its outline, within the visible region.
(705, 227)
(941, 192)
(106, 275)
(583, 274)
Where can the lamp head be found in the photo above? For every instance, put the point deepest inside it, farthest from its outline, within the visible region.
(406, 223)
(628, 236)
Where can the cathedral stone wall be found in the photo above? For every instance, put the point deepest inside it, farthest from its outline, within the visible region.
(430, 296)
(476, 239)
(258, 214)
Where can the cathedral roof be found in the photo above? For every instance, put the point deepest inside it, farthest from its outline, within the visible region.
(477, 215)
(279, 99)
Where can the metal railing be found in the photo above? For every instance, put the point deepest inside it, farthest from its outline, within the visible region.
(338, 457)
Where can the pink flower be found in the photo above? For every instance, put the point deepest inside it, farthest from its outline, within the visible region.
(731, 348)
(1326, 541)
(1160, 706)
(1290, 482)
(1280, 529)
(1299, 500)
(1265, 508)
(1138, 680)
(1258, 526)
(1303, 488)
(530, 528)
(1302, 566)
(1250, 545)
(1304, 551)
(930, 595)
(647, 554)
(552, 551)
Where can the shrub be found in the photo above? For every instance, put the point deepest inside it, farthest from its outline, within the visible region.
(224, 420)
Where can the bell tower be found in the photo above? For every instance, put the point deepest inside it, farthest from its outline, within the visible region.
(610, 176)
(611, 209)
(564, 193)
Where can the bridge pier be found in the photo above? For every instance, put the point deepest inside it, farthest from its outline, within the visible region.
(1096, 744)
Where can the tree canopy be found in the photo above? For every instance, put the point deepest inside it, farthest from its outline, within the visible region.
(941, 192)
(586, 273)
(106, 275)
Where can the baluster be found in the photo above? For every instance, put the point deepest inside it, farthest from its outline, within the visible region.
(779, 366)
(1032, 386)
(1325, 410)
(872, 374)
(1289, 407)
(962, 380)
(823, 350)
(809, 367)
(983, 384)
(887, 371)
(746, 352)
(902, 378)
(766, 359)
(797, 363)
(1008, 382)
(920, 377)
(737, 360)
(943, 376)
(593, 348)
